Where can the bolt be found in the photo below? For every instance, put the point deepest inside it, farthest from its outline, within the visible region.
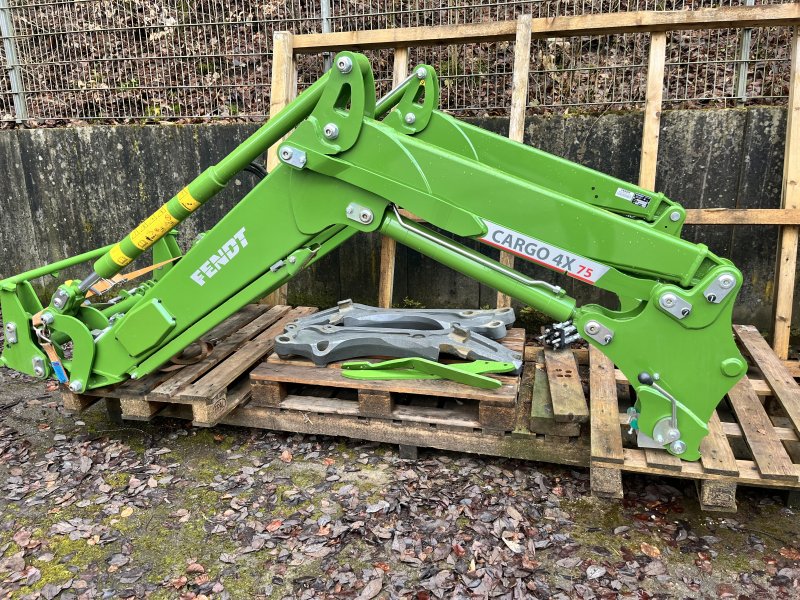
(349, 210)
(673, 434)
(344, 64)
(330, 131)
(47, 318)
(668, 300)
(674, 216)
(711, 297)
(292, 259)
(421, 73)
(592, 328)
(38, 370)
(286, 153)
(75, 386)
(59, 301)
(726, 281)
(365, 216)
(685, 312)
(607, 339)
(678, 447)
(659, 439)
(410, 118)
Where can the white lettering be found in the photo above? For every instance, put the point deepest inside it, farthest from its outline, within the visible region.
(220, 258)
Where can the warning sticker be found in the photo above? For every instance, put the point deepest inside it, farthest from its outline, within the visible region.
(633, 197)
(119, 257)
(153, 228)
(187, 200)
(543, 253)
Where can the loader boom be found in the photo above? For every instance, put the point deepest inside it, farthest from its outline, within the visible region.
(352, 164)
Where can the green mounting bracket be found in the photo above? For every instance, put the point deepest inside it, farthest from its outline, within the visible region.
(422, 368)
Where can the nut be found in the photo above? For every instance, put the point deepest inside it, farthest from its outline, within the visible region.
(330, 131)
(344, 64)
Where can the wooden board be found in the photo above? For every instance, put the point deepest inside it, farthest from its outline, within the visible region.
(545, 27)
(786, 268)
(566, 389)
(605, 427)
(771, 458)
(651, 130)
(777, 376)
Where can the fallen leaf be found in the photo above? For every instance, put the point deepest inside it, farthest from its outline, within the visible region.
(595, 571)
(372, 589)
(790, 553)
(195, 568)
(286, 456)
(650, 551)
(126, 512)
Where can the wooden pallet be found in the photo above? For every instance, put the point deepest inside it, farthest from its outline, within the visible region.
(297, 384)
(213, 387)
(541, 415)
(754, 436)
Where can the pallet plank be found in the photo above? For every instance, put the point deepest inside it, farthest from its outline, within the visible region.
(770, 455)
(715, 450)
(293, 373)
(243, 327)
(566, 390)
(422, 435)
(211, 387)
(606, 439)
(661, 459)
(778, 377)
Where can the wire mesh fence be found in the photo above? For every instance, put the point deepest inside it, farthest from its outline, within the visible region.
(93, 60)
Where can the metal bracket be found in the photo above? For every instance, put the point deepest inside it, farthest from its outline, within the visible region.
(292, 156)
(359, 214)
(38, 366)
(598, 332)
(11, 333)
(675, 305)
(719, 289)
(491, 323)
(325, 344)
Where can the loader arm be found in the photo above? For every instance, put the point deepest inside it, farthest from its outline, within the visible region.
(349, 164)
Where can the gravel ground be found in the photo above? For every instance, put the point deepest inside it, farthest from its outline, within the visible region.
(165, 510)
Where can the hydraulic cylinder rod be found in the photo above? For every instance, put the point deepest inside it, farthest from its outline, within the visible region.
(473, 264)
(205, 186)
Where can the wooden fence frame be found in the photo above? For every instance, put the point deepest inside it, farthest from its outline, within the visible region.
(284, 88)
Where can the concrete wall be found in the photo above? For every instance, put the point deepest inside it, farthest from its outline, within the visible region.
(66, 191)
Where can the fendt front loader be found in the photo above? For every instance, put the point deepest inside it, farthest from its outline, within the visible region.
(349, 164)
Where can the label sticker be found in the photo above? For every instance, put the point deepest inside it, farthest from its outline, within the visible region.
(633, 197)
(187, 200)
(153, 228)
(543, 253)
(119, 257)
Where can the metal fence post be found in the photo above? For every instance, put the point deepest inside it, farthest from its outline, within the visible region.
(12, 64)
(744, 59)
(325, 17)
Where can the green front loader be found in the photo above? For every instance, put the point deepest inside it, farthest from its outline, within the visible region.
(351, 164)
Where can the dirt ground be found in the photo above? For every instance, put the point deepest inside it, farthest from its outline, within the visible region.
(91, 509)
